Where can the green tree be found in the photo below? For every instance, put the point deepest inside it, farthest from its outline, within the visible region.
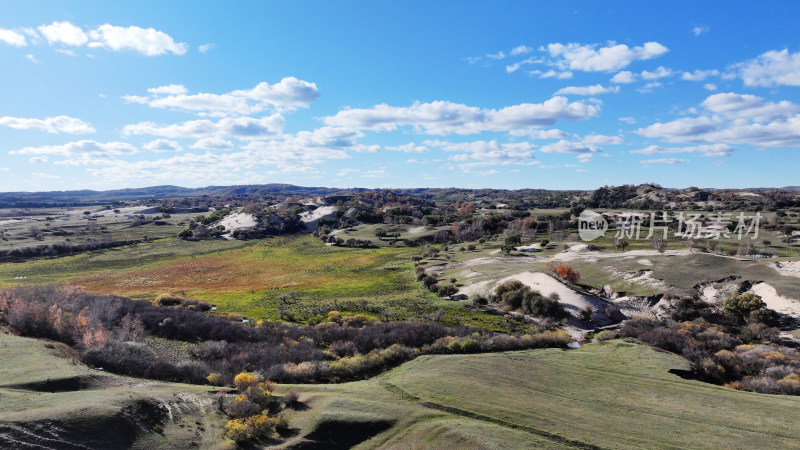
(511, 243)
(743, 304)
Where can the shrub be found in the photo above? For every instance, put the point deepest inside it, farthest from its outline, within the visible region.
(742, 305)
(567, 273)
(236, 430)
(214, 379)
(241, 406)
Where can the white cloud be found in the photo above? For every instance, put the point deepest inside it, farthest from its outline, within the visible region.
(38, 160)
(710, 87)
(699, 75)
(599, 139)
(498, 55)
(65, 33)
(773, 68)
(163, 145)
(84, 147)
(5, 169)
(442, 117)
(648, 87)
(147, 41)
(700, 29)
(12, 38)
(590, 58)
(623, 77)
(661, 72)
(170, 89)
(32, 59)
(551, 74)
(289, 93)
(552, 133)
(206, 47)
(520, 50)
(45, 175)
(213, 143)
(584, 150)
(378, 173)
(58, 124)
(745, 106)
(665, 161)
(734, 119)
(587, 90)
(409, 148)
(629, 120)
(345, 172)
(243, 128)
(705, 150)
(487, 153)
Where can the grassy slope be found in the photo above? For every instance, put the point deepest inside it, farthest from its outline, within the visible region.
(101, 412)
(610, 395)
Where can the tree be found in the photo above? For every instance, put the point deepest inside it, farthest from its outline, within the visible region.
(742, 305)
(511, 243)
(567, 273)
(380, 233)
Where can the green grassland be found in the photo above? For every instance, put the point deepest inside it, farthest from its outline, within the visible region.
(57, 402)
(607, 395)
(249, 278)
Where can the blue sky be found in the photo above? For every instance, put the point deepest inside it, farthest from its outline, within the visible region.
(557, 95)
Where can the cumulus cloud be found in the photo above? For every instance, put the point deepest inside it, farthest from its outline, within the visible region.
(64, 33)
(206, 47)
(773, 68)
(586, 90)
(487, 153)
(623, 77)
(699, 75)
(12, 38)
(58, 124)
(599, 139)
(170, 89)
(745, 106)
(147, 41)
(242, 128)
(163, 145)
(705, 150)
(213, 143)
(665, 161)
(661, 72)
(584, 150)
(592, 58)
(521, 50)
(734, 119)
(710, 87)
(409, 148)
(84, 147)
(289, 93)
(441, 117)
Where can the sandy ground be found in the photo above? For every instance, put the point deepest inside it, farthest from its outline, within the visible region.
(237, 221)
(415, 230)
(12, 222)
(310, 218)
(122, 211)
(530, 248)
(775, 301)
(787, 268)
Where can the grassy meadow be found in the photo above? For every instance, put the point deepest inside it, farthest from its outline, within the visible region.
(605, 395)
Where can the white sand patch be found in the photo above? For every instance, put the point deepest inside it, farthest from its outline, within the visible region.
(12, 222)
(310, 218)
(238, 221)
(749, 194)
(468, 274)
(645, 262)
(787, 268)
(775, 301)
(417, 230)
(495, 252)
(128, 210)
(710, 294)
(530, 248)
(643, 277)
(547, 285)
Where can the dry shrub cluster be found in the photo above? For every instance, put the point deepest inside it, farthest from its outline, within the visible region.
(126, 336)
